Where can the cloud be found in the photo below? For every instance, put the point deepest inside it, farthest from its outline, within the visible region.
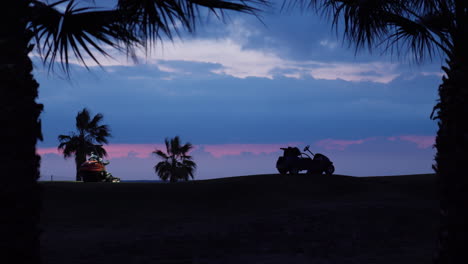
(116, 150)
(340, 144)
(422, 142)
(133, 150)
(219, 151)
(216, 150)
(356, 72)
(328, 44)
(45, 151)
(234, 59)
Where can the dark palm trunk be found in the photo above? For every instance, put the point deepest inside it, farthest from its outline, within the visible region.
(452, 147)
(452, 161)
(79, 159)
(20, 129)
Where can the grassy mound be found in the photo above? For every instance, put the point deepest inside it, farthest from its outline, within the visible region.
(249, 219)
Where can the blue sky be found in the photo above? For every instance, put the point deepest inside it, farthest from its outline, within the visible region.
(239, 90)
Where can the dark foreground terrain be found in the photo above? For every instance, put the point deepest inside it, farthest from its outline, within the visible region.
(254, 219)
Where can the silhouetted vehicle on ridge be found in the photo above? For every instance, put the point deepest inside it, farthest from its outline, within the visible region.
(294, 161)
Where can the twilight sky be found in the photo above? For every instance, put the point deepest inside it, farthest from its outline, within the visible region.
(242, 89)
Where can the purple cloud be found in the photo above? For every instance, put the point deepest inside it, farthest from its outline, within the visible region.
(340, 144)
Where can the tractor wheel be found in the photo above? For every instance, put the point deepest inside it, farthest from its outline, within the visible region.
(294, 171)
(283, 171)
(330, 170)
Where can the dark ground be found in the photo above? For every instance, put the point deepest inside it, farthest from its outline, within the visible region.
(254, 219)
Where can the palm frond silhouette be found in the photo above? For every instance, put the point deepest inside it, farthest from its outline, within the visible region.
(176, 164)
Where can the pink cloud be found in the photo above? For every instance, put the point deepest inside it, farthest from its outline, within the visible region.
(339, 144)
(145, 150)
(43, 151)
(117, 150)
(218, 151)
(137, 150)
(237, 149)
(422, 142)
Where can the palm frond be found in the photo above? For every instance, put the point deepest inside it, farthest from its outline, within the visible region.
(163, 169)
(96, 120)
(80, 31)
(168, 146)
(418, 28)
(69, 145)
(64, 137)
(189, 164)
(100, 151)
(99, 133)
(82, 120)
(410, 36)
(161, 154)
(177, 165)
(153, 19)
(185, 148)
(175, 146)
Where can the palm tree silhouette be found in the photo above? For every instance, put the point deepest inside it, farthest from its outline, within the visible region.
(423, 29)
(60, 30)
(80, 144)
(176, 164)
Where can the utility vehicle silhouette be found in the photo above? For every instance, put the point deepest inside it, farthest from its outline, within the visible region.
(294, 161)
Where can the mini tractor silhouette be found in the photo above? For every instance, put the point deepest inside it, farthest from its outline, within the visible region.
(294, 161)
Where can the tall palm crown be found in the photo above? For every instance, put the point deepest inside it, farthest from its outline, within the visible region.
(60, 30)
(424, 29)
(82, 143)
(177, 164)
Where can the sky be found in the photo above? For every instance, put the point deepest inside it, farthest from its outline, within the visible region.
(239, 90)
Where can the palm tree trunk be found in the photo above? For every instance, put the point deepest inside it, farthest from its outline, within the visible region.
(452, 161)
(20, 129)
(79, 159)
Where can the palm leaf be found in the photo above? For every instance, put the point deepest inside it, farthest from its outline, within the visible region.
(185, 149)
(80, 31)
(418, 27)
(153, 19)
(69, 145)
(96, 120)
(175, 146)
(82, 120)
(163, 169)
(168, 147)
(161, 154)
(189, 164)
(100, 151)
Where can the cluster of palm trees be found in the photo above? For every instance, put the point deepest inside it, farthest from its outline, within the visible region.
(176, 164)
(418, 28)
